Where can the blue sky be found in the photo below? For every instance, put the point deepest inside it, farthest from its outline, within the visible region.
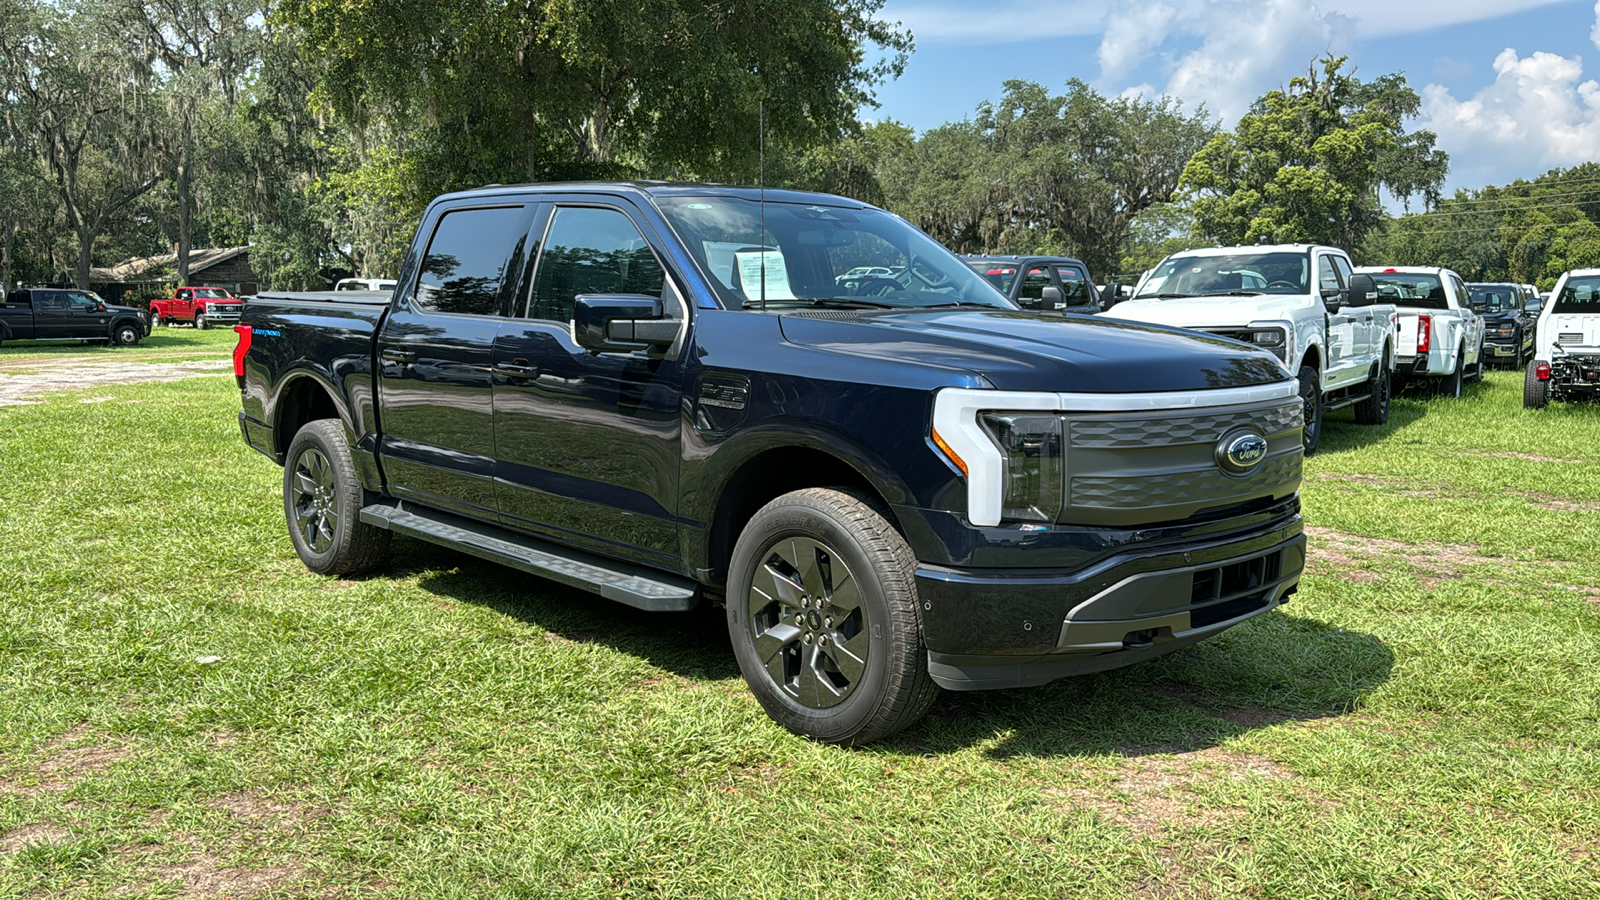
(1512, 87)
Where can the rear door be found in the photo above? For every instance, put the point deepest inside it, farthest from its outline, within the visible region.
(589, 443)
(435, 354)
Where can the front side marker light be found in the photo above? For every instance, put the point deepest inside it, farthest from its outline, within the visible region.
(953, 456)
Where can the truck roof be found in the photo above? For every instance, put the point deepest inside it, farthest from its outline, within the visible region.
(1254, 248)
(1402, 270)
(661, 189)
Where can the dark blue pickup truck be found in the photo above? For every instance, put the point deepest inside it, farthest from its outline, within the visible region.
(798, 406)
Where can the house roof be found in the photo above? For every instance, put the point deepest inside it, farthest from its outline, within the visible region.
(164, 267)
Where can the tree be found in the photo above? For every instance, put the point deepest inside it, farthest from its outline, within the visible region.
(88, 118)
(1307, 163)
(1042, 173)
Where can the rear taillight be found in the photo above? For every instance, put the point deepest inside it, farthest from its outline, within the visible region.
(1542, 372)
(240, 350)
(1424, 333)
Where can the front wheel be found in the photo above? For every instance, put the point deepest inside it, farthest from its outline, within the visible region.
(822, 613)
(126, 334)
(200, 321)
(1311, 396)
(1535, 392)
(322, 504)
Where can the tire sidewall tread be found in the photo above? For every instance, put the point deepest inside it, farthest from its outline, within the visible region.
(357, 546)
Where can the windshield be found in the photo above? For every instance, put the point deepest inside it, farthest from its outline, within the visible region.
(1233, 273)
(821, 256)
(1493, 297)
(213, 293)
(1579, 295)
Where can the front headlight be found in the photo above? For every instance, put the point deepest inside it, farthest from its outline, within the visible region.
(1031, 450)
(1272, 336)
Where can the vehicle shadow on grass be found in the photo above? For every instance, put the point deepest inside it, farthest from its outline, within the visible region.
(1340, 431)
(1276, 668)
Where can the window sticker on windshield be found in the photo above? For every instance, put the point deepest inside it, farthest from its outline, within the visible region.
(750, 264)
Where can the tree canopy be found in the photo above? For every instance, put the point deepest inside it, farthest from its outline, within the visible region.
(1307, 163)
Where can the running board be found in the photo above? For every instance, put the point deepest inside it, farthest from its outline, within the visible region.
(633, 585)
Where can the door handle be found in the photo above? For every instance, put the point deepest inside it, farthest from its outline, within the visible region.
(403, 357)
(516, 368)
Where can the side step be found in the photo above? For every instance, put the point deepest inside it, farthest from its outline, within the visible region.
(633, 585)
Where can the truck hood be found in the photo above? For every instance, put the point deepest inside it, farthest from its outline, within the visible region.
(1023, 351)
(1211, 312)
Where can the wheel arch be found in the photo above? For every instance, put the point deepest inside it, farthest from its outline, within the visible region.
(303, 398)
(771, 472)
(1311, 357)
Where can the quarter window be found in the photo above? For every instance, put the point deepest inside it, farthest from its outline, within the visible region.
(467, 260)
(591, 250)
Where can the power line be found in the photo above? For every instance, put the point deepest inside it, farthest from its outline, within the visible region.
(1568, 183)
(1566, 204)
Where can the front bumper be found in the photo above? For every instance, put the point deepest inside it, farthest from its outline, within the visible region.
(1018, 628)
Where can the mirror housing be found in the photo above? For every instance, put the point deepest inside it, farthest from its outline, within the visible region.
(1363, 291)
(620, 323)
(1050, 298)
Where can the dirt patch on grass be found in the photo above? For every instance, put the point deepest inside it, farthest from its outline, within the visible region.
(75, 755)
(1150, 796)
(201, 876)
(24, 387)
(1513, 454)
(1214, 706)
(270, 812)
(1343, 555)
(40, 833)
(1407, 488)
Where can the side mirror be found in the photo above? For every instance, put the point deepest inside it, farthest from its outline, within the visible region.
(1049, 298)
(1363, 291)
(621, 322)
(1480, 306)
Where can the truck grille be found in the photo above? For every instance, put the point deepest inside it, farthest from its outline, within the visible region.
(1131, 469)
(1234, 590)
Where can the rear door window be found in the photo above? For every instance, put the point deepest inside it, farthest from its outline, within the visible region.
(1033, 285)
(1075, 289)
(468, 258)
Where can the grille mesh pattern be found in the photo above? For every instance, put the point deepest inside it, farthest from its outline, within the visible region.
(1177, 488)
(1175, 430)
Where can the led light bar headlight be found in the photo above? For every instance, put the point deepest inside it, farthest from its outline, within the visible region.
(1033, 464)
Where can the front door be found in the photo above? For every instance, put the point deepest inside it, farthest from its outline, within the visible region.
(1343, 364)
(434, 357)
(53, 315)
(589, 442)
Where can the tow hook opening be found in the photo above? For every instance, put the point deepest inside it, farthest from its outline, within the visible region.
(1145, 637)
(1293, 589)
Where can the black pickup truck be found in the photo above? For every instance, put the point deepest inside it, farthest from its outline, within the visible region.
(663, 393)
(64, 314)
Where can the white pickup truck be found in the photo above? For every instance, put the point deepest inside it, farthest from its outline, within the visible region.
(1296, 300)
(1566, 356)
(1440, 336)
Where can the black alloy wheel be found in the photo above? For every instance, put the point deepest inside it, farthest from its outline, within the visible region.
(1311, 396)
(823, 619)
(322, 504)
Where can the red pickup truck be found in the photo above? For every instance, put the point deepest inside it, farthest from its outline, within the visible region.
(202, 306)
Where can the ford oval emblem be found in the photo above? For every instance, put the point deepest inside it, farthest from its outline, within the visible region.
(1240, 452)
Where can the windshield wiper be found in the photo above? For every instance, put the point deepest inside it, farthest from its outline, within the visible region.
(1233, 293)
(823, 303)
(1160, 296)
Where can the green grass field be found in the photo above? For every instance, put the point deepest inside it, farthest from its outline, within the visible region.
(1420, 721)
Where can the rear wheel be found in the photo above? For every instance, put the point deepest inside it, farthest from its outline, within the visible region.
(822, 614)
(1477, 370)
(1375, 409)
(322, 503)
(1535, 393)
(1450, 385)
(1311, 396)
(156, 321)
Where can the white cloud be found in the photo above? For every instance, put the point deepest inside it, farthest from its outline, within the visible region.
(1594, 33)
(1131, 36)
(1003, 21)
(1538, 113)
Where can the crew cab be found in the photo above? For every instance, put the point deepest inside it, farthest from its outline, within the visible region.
(662, 394)
(1507, 320)
(200, 306)
(1566, 363)
(1043, 283)
(67, 314)
(1301, 302)
(1441, 338)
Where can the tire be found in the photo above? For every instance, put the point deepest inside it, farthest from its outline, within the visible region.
(126, 334)
(200, 321)
(844, 659)
(1311, 396)
(1535, 393)
(1477, 370)
(1450, 385)
(322, 502)
(1375, 409)
(157, 322)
